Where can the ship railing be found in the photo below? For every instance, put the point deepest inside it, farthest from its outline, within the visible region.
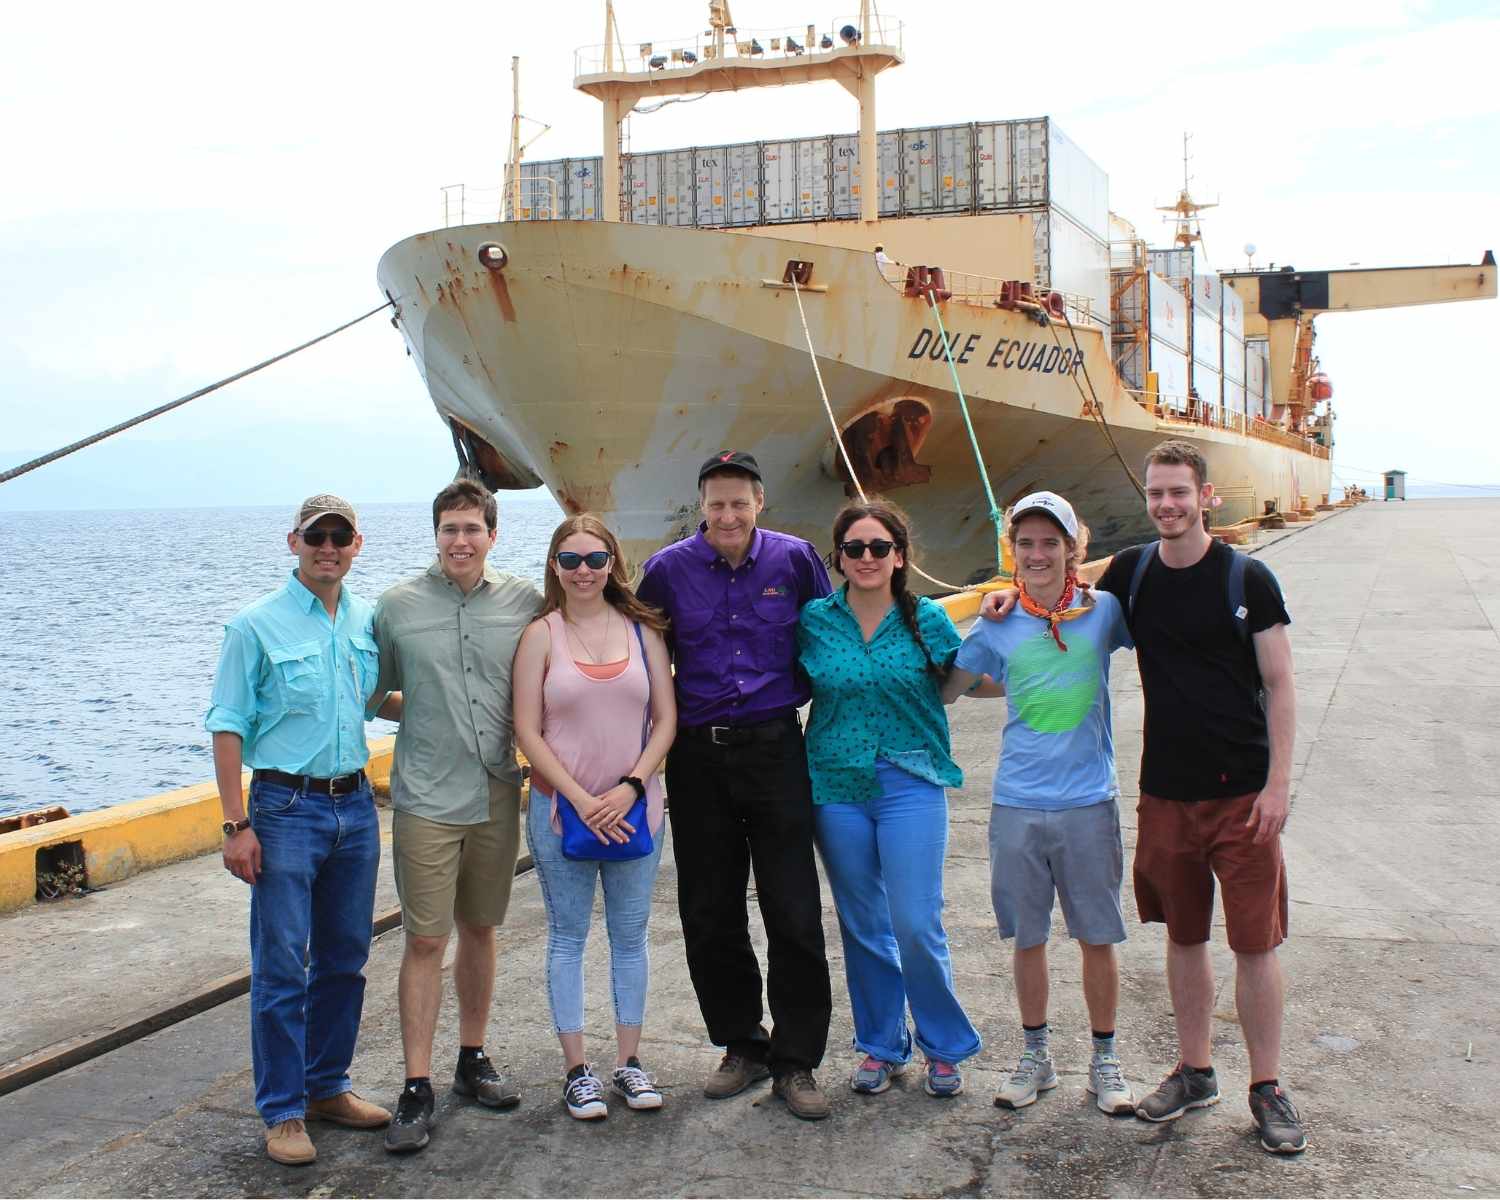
(1185, 412)
(983, 291)
(661, 56)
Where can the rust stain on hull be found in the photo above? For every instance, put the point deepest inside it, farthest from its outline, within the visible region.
(502, 296)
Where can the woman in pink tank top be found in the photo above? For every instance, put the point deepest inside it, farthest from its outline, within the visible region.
(595, 715)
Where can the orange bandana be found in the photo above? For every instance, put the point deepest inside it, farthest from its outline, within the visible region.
(1058, 612)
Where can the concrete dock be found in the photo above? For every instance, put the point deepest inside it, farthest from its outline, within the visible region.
(1393, 968)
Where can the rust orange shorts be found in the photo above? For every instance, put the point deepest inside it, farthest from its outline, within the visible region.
(1180, 848)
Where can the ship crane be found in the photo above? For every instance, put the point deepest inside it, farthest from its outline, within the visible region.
(1281, 306)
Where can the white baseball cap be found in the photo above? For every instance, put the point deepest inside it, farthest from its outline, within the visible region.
(1050, 504)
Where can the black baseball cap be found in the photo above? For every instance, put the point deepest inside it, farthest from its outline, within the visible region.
(738, 459)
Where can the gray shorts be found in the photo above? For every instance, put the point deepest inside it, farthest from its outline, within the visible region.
(1076, 853)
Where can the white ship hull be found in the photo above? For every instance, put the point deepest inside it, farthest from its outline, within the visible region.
(609, 360)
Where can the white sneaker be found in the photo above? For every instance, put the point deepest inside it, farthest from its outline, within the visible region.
(1033, 1074)
(584, 1095)
(638, 1088)
(1107, 1084)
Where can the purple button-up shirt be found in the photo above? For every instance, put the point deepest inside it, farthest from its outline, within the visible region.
(734, 629)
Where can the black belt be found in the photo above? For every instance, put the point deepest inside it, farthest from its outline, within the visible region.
(739, 735)
(339, 785)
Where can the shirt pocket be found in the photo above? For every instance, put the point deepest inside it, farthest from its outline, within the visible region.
(774, 641)
(299, 675)
(365, 656)
(699, 633)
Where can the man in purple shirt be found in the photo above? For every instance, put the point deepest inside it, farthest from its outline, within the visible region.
(737, 778)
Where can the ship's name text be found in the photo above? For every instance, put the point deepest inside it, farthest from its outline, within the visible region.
(1010, 354)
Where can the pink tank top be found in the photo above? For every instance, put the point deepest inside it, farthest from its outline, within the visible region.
(593, 725)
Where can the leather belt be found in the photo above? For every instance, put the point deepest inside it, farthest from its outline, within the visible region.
(739, 735)
(339, 785)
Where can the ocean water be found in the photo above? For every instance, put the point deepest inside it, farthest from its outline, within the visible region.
(110, 624)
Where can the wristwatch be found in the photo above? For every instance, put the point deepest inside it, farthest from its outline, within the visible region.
(233, 827)
(636, 784)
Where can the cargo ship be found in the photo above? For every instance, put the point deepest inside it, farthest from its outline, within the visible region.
(848, 306)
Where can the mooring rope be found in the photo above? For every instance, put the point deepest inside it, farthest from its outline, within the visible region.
(838, 436)
(15, 472)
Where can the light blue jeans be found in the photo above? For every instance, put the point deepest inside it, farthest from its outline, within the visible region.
(884, 860)
(568, 893)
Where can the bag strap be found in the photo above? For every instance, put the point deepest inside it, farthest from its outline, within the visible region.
(1139, 574)
(646, 665)
(1238, 610)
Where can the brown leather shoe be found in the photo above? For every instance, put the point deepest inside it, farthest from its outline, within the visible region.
(289, 1144)
(348, 1109)
(802, 1095)
(733, 1075)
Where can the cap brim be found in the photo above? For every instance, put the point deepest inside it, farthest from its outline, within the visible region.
(327, 512)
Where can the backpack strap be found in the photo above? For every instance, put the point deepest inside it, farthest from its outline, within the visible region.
(1238, 612)
(1147, 554)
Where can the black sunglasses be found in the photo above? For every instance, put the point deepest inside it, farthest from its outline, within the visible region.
(879, 547)
(571, 560)
(343, 536)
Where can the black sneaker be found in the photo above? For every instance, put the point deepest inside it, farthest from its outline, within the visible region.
(477, 1077)
(1178, 1092)
(410, 1128)
(1276, 1120)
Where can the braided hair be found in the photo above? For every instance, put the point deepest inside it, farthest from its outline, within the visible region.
(898, 525)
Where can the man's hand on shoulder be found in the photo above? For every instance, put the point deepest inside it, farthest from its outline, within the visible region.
(996, 606)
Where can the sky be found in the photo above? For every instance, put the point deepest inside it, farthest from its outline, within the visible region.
(192, 188)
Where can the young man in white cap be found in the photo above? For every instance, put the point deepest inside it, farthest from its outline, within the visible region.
(289, 695)
(1055, 823)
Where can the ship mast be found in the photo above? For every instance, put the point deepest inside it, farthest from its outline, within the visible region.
(726, 59)
(517, 147)
(1189, 228)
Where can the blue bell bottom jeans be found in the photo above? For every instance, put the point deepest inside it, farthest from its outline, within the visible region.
(311, 915)
(884, 860)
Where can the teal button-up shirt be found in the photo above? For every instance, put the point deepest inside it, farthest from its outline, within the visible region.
(293, 683)
(875, 699)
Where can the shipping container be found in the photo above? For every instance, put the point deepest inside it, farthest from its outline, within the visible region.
(727, 185)
(1208, 384)
(938, 169)
(795, 174)
(544, 190)
(1208, 294)
(1068, 258)
(1234, 358)
(1028, 142)
(1075, 183)
(583, 188)
(1169, 314)
(662, 187)
(1171, 368)
(844, 158)
(1175, 266)
(1234, 397)
(1257, 367)
(1233, 319)
(1206, 334)
(994, 183)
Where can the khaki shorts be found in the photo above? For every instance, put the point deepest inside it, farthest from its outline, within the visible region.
(465, 872)
(1180, 848)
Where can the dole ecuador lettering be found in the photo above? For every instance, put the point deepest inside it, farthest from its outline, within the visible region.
(1010, 354)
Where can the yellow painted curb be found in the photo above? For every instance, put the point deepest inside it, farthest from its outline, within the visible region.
(128, 838)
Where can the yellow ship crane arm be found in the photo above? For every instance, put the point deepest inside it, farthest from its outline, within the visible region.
(1280, 306)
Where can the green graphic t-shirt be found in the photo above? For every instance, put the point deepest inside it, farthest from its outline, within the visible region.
(1059, 749)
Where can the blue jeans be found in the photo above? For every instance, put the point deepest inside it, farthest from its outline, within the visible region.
(311, 915)
(568, 894)
(884, 860)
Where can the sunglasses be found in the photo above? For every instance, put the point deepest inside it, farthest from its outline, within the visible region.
(879, 547)
(342, 537)
(571, 560)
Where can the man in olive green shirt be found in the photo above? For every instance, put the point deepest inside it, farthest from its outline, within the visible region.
(447, 638)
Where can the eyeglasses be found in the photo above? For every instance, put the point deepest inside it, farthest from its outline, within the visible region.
(879, 547)
(570, 560)
(343, 536)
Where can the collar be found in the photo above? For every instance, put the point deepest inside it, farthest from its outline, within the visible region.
(840, 599)
(491, 574)
(307, 600)
(704, 551)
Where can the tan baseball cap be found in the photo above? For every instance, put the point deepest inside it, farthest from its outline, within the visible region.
(324, 505)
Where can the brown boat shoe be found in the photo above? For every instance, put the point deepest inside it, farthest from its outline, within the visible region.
(349, 1109)
(802, 1095)
(288, 1143)
(733, 1075)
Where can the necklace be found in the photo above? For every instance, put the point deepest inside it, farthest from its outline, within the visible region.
(594, 658)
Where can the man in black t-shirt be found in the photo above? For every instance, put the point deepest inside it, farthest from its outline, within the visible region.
(1215, 783)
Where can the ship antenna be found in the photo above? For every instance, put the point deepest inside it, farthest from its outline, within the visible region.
(518, 148)
(1185, 210)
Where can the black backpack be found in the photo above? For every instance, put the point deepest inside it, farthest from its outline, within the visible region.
(1236, 587)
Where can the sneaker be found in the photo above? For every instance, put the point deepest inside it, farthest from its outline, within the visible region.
(1276, 1120)
(1178, 1092)
(802, 1095)
(638, 1088)
(349, 1109)
(410, 1129)
(874, 1075)
(584, 1094)
(476, 1077)
(733, 1075)
(1108, 1087)
(288, 1144)
(1034, 1073)
(943, 1080)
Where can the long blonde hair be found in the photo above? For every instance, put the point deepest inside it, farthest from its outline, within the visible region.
(616, 587)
